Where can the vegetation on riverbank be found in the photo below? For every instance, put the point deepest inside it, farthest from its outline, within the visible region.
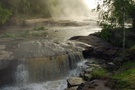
(119, 12)
(36, 32)
(122, 78)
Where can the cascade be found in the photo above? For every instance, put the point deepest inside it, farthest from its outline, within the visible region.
(48, 73)
(21, 75)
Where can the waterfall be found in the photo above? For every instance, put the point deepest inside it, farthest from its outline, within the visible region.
(50, 68)
(21, 75)
(41, 65)
(80, 67)
(50, 71)
(60, 84)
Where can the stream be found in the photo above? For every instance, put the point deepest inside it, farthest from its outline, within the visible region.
(61, 84)
(44, 63)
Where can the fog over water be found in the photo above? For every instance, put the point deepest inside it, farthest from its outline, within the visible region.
(48, 66)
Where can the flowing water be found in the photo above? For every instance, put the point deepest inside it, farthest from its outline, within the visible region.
(22, 79)
(45, 64)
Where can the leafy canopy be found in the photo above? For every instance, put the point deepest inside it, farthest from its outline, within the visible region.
(115, 9)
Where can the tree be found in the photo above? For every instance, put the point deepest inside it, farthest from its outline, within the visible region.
(115, 9)
(4, 15)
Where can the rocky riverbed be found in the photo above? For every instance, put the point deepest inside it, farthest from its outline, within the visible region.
(45, 40)
(101, 53)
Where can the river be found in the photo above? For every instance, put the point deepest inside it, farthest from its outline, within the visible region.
(43, 63)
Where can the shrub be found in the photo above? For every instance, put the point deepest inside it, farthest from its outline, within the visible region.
(105, 33)
(125, 79)
(4, 15)
(8, 35)
(98, 73)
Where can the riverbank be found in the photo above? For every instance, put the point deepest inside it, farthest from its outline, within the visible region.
(114, 73)
(95, 76)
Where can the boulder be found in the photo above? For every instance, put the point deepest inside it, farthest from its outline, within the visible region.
(87, 76)
(74, 81)
(72, 88)
(88, 70)
(87, 52)
(99, 48)
(105, 52)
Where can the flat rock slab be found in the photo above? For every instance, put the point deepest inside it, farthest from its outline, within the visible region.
(91, 40)
(74, 81)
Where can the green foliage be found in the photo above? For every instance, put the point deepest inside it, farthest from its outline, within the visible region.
(24, 6)
(125, 79)
(29, 8)
(125, 76)
(128, 65)
(98, 73)
(8, 35)
(33, 8)
(116, 10)
(4, 15)
(40, 28)
(105, 33)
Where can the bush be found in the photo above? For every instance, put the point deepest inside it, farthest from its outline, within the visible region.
(125, 79)
(8, 35)
(98, 73)
(4, 15)
(105, 33)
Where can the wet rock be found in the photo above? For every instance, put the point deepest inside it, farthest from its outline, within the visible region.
(87, 52)
(88, 70)
(93, 85)
(74, 81)
(100, 48)
(94, 65)
(87, 76)
(4, 55)
(106, 53)
(72, 88)
(82, 74)
(110, 66)
(91, 62)
(87, 85)
(91, 40)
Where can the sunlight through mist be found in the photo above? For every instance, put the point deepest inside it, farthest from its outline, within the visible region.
(91, 4)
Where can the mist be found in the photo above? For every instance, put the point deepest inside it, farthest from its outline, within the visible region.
(48, 8)
(69, 9)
